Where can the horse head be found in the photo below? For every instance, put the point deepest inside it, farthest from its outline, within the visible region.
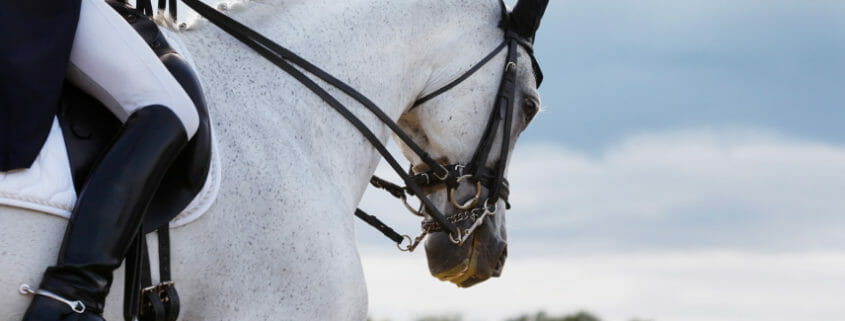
(469, 122)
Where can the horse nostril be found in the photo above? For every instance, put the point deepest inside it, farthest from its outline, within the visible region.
(497, 271)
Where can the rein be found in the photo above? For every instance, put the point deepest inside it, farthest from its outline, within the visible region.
(437, 173)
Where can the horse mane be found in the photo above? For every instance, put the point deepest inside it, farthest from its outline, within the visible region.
(193, 20)
(163, 18)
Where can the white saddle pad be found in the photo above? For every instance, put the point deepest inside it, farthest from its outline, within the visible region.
(47, 186)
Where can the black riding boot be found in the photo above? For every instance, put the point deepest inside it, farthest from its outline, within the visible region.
(108, 215)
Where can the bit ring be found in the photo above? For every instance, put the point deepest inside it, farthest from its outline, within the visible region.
(470, 203)
(460, 240)
(408, 206)
(410, 242)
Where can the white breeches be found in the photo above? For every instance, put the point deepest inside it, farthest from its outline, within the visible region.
(113, 63)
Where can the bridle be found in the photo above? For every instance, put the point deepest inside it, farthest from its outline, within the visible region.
(450, 175)
(476, 171)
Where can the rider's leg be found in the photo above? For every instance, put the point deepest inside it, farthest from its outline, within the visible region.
(108, 214)
(111, 62)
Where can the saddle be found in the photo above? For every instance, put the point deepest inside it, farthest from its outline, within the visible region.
(89, 127)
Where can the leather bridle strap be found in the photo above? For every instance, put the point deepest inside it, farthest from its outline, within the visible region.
(505, 97)
(501, 115)
(460, 79)
(379, 225)
(271, 49)
(280, 56)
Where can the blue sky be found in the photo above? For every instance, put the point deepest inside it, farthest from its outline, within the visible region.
(616, 68)
(729, 77)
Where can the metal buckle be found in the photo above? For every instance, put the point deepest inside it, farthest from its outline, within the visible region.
(460, 169)
(427, 179)
(158, 287)
(445, 176)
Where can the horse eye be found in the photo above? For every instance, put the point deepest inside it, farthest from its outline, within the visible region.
(529, 108)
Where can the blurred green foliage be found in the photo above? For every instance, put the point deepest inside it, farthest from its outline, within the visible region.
(539, 316)
(441, 318)
(542, 316)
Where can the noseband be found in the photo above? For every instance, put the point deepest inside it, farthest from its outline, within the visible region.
(476, 171)
(450, 175)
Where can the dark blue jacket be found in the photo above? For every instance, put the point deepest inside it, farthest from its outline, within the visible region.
(34, 53)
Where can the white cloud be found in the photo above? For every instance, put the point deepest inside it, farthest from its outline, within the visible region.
(703, 188)
(698, 286)
(704, 224)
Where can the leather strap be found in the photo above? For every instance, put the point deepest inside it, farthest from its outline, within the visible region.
(132, 289)
(273, 51)
(395, 190)
(460, 79)
(170, 300)
(145, 6)
(379, 225)
(159, 302)
(507, 92)
(164, 253)
(280, 57)
(502, 112)
(153, 309)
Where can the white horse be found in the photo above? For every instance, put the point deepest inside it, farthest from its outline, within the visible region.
(279, 242)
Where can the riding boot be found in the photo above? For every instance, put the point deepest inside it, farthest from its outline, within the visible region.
(108, 215)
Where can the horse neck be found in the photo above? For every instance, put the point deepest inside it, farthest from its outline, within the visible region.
(391, 51)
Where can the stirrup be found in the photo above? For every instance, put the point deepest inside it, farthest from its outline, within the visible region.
(77, 306)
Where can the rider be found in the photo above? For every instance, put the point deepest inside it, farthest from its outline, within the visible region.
(91, 45)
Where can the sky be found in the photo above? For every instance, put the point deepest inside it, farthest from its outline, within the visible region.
(624, 67)
(689, 164)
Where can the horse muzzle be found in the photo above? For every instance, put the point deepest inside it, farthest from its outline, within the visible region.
(482, 257)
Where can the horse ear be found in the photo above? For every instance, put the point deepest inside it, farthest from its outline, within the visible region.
(526, 15)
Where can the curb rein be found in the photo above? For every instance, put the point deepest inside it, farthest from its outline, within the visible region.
(437, 174)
